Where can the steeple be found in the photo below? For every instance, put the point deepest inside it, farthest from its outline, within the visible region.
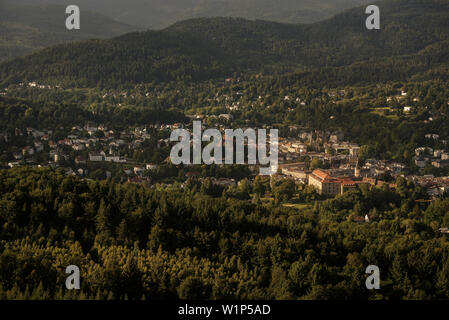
(357, 170)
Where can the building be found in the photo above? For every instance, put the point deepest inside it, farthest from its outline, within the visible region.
(295, 170)
(440, 163)
(331, 186)
(151, 166)
(324, 183)
(347, 184)
(39, 146)
(112, 158)
(28, 151)
(139, 170)
(52, 144)
(227, 117)
(352, 148)
(438, 153)
(95, 157)
(78, 147)
(17, 156)
(13, 164)
(360, 219)
(225, 182)
(420, 162)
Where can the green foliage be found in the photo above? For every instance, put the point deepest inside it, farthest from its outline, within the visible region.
(132, 242)
(22, 113)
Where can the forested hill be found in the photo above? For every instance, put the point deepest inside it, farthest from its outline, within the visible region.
(25, 29)
(413, 31)
(158, 14)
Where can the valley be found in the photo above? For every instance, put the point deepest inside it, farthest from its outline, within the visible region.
(87, 177)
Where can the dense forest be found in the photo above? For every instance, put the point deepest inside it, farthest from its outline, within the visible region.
(24, 113)
(202, 49)
(136, 242)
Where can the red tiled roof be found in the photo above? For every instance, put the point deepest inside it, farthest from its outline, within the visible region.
(321, 174)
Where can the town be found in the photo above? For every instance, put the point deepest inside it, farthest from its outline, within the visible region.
(324, 158)
(321, 159)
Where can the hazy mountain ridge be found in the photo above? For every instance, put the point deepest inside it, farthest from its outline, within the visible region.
(25, 29)
(157, 14)
(202, 49)
(290, 11)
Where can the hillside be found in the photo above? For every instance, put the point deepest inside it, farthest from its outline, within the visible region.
(413, 39)
(25, 29)
(157, 14)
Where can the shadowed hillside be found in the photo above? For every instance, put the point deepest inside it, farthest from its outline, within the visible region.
(202, 49)
(25, 29)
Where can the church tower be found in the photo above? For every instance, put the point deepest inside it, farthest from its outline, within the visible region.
(357, 170)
